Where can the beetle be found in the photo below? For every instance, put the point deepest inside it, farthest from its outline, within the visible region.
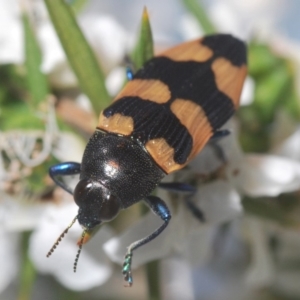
(174, 105)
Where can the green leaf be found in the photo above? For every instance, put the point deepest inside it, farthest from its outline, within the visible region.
(261, 59)
(13, 85)
(197, 10)
(293, 105)
(14, 111)
(274, 80)
(143, 50)
(81, 57)
(27, 273)
(275, 91)
(36, 80)
(19, 115)
(270, 92)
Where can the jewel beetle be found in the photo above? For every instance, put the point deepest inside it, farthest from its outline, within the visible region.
(171, 107)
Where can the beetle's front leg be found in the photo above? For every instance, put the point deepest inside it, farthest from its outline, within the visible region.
(63, 169)
(160, 208)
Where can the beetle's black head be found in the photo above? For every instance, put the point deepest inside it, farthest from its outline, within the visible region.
(96, 203)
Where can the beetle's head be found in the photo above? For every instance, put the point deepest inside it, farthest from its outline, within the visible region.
(96, 203)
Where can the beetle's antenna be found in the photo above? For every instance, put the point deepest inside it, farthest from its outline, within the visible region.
(61, 237)
(79, 250)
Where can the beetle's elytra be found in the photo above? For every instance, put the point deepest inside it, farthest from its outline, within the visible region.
(156, 125)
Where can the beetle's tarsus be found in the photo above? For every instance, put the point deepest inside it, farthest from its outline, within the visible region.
(127, 269)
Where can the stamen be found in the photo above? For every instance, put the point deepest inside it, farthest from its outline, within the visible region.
(61, 237)
(79, 250)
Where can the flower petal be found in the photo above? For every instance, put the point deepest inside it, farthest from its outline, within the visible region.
(11, 50)
(68, 147)
(268, 175)
(290, 147)
(247, 95)
(261, 271)
(93, 270)
(219, 201)
(107, 37)
(18, 216)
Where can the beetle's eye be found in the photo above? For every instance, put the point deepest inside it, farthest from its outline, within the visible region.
(110, 208)
(81, 190)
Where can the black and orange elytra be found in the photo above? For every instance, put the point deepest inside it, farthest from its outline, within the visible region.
(156, 125)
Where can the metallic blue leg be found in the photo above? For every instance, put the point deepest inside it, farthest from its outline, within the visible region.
(129, 67)
(63, 169)
(129, 73)
(159, 207)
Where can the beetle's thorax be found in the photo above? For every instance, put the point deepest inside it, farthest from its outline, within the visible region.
(121, 165)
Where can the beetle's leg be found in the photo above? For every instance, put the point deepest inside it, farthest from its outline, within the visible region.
(219, 152)
(129, 67)
(189, 191)
(194, 209)
(159, 207)
(63, 169)
(219, 134)
(129, 73)
(213, 142)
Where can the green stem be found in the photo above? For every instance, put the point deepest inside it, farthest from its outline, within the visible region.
(153, 278)
(152, 271)
(66, 294)
(28, 272)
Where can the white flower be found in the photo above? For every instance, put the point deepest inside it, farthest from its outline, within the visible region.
(93, 267)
